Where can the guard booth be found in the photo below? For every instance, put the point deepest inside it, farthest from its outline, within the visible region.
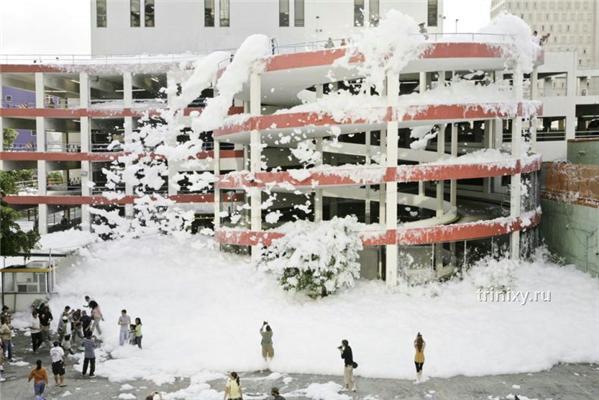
(23, 284)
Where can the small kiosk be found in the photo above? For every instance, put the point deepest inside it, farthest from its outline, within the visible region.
(23, 284)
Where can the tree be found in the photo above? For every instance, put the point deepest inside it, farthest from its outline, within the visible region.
(316, 259)
(8, 137)
(13, 240)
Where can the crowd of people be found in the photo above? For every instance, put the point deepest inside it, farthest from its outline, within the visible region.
(76, 330)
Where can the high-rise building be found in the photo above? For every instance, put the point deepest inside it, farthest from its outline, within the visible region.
(572, 25)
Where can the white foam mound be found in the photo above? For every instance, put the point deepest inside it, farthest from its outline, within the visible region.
(202, 311)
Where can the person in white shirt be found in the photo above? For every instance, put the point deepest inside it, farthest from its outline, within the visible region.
(57, 356)
(124, 323)
(36, 332)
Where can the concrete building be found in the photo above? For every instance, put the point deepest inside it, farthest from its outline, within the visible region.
(573, 25)
(570, 200)
(75, 107)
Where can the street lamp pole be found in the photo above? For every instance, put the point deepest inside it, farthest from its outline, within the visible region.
(456, 25)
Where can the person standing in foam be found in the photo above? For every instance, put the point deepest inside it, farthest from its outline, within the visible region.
(268, 351)
(124, 323)
(419, 356)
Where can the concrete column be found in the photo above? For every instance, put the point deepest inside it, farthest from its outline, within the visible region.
(368, 162)
(440, 184)
(488, 143)
(318, 192)
(173, 165)
(534, 95)
(216, 188)
(515, 192)
(255, 162)
(392, 83)
(382, 186)
(128, 89)
(422, 81)
(128, 132)
(453, 184)
(42, 166)
(83, 90)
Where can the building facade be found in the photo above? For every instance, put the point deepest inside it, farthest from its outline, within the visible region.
(70, 115)
(200, 26)
(572, 25)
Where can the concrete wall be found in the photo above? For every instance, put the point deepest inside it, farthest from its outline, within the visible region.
(583, 151)
(572, 232)
(179, 24)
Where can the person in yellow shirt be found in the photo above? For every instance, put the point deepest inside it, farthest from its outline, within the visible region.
(419, 356)
(40, 378)
(233, 387)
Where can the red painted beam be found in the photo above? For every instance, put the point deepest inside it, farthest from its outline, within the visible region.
(414, 113)
(403, 236)
(340, 176)
(434, 50)
(100, 156)
(101, 200)
(30, 68)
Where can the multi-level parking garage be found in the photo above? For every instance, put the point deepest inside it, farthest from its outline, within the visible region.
(446, 210)
(423, 205)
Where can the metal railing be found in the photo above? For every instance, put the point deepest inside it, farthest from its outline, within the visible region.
(21, 147)
(88, 59)
(590, 133)
(106, 147)
(60, 147)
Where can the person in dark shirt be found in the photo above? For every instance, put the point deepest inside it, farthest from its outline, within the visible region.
(275, 394)
(45, 317)
(86, 323)
(348, 363)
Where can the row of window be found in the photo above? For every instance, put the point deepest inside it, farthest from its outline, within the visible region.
(558, 5)
(135, 11)
(147, 6)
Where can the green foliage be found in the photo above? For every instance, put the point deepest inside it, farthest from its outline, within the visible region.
(8, 179)
(316, 259)
(55, 177)
(8, 136)
(310, 282)
(12, 238)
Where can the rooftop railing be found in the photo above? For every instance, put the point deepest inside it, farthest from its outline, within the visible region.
(88, 59)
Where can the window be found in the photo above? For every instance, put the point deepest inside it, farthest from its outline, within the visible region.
(135, 11)
(374, 12)
(149, 13)
(225, 13)
(358, 12)
(298, 12)
(283, 12)
(433, 12)
(101, 13)
(208, 12)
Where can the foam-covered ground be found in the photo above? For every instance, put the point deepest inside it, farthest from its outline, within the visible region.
(202, 310)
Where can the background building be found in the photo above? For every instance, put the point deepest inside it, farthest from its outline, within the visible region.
(573, 25)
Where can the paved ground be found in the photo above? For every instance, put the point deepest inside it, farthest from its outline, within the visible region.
(563, 382)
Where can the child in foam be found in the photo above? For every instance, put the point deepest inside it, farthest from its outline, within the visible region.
(138, 332)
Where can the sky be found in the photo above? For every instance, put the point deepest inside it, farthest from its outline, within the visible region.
(26, 29)
(471, 14)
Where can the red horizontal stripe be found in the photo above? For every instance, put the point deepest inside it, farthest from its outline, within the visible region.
(407, 236)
